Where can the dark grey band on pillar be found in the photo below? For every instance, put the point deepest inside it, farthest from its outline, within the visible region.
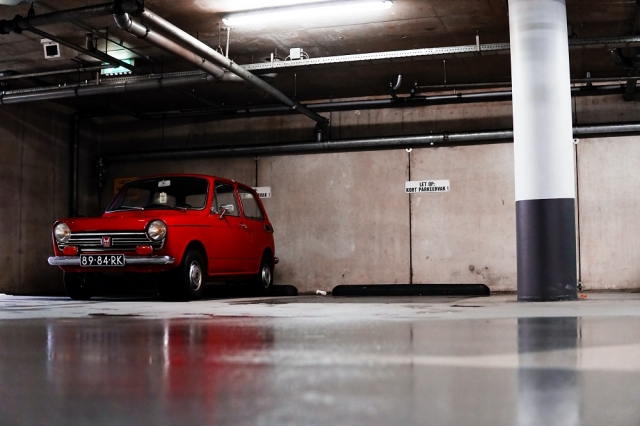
(546, 238)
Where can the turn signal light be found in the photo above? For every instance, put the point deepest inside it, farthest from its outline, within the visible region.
(70, 251)
(144, 250)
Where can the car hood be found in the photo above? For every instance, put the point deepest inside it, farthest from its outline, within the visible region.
(136, 220)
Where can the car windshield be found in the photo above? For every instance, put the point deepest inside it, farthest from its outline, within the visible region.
(179, 193)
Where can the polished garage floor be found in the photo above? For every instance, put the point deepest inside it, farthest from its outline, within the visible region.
(313, 360)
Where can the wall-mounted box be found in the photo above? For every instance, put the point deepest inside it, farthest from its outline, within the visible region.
(53, 50)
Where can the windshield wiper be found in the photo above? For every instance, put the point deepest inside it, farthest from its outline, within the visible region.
(164, 206)
(126, 208)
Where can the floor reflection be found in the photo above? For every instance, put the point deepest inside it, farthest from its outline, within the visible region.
(162, 371)
(548, 396)
(120, 370)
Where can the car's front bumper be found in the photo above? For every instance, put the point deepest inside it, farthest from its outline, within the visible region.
(128, 260)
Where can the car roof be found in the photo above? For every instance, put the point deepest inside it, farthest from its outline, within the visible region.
(193, 175)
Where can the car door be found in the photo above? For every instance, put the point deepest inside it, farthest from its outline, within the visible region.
(228, 237)
(256, 232)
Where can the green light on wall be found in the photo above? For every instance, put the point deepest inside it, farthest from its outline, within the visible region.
(118, 70)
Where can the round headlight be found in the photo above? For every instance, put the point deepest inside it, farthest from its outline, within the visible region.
(156, 230)
(61, 232)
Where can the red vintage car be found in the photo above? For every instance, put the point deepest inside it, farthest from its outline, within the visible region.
(184, 229)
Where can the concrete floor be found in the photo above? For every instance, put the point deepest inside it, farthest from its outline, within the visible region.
(312, 360)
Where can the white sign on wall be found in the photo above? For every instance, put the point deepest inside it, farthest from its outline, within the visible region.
(263, 191)
(413, 186)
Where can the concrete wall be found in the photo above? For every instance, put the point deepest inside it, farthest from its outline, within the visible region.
(609, 200)
(467, 235)
(34, 186)
(339, 218)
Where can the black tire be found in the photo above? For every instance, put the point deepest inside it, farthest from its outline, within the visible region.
(263, 281)
(76, 286)
(191, 275)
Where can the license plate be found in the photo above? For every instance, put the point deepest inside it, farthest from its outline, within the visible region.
(102, 260)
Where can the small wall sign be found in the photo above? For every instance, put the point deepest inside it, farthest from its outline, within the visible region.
(414, 186)
(263, 191)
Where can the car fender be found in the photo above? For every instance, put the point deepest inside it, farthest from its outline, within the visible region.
(178, 239)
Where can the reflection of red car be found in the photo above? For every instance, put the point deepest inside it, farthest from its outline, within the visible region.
(190, 359)
(187, 229)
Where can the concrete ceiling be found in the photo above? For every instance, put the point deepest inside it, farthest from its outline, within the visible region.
(409, 24)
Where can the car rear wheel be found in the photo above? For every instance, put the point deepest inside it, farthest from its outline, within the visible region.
(76, 286)
(264, 280)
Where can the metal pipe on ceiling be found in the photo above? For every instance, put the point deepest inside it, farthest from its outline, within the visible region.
(18, 24)
(313, 147)
(415, 101)
(11, 74)
(507, 84)
(20, 96)
(206, 52)
(424, 141)
(156, 82)
(125, 23)
(48, 73)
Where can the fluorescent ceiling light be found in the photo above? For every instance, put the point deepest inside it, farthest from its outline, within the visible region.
(305, 11)
(117, 70)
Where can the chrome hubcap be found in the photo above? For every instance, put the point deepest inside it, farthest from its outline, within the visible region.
(266, 276)
(195, 276)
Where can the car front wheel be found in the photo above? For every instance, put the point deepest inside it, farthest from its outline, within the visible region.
(192, 275)
(76, 286)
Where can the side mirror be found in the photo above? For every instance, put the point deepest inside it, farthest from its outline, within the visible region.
(226, 208)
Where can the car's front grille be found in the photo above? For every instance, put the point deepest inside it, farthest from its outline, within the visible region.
(119, 241)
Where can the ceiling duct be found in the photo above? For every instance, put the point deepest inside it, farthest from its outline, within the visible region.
(18, 24)
(206, 55)
(125, 23)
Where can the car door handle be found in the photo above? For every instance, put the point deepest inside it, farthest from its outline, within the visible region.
(242, 225)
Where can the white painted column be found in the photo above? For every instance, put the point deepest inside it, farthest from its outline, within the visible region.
(543, 144)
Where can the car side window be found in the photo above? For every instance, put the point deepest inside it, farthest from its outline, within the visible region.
(250, 205)
(224, 196)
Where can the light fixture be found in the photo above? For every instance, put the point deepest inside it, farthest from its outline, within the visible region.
(305, 11)
(117, 70)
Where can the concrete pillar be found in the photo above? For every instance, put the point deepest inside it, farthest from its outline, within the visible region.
(544, 160)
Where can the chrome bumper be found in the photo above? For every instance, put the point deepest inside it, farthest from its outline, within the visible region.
(137, 260)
